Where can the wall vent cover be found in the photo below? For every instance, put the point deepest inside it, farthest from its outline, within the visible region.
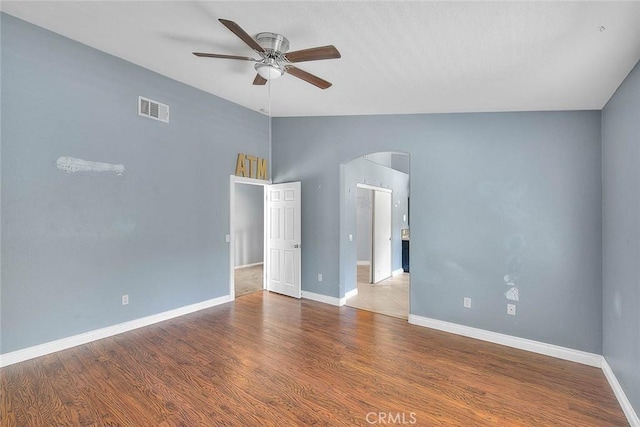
(153, 109)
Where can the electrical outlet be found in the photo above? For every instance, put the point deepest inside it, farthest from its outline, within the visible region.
(467, 302)
(319, 277)
(351, 237)
(125, 299)
(511, 309)
(227, 238)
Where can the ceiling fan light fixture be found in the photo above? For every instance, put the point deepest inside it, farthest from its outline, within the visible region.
(269, 71)
(274, 60)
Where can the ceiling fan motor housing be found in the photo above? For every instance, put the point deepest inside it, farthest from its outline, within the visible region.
(275, 44)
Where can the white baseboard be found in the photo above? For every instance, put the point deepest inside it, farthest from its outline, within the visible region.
(324, 298)
(631, 415)
(557, 351)
(397, 272)
(248, 265)
(351, 293)
(365, 262)
(86, 337)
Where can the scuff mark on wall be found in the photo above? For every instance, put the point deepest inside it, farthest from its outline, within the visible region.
(72, 165)
(509, 280)
(516, 246)
(507, 201)
(512, 294)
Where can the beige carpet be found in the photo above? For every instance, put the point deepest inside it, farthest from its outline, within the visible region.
(248, 280)
(390, 297)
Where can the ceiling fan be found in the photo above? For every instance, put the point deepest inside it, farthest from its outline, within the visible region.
(274, 60)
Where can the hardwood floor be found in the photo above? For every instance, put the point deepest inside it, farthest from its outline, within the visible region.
(269, 360)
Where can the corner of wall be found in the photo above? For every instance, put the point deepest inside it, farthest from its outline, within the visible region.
(625, 404)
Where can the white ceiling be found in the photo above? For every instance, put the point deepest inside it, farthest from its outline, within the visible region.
(397, 57)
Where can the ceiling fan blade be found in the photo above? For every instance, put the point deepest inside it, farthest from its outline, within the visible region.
(313, 54)
(308, 77)
(242, 34)
(259, 80)
(217, 55)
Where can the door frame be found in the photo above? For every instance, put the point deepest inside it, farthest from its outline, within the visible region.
(233, 180)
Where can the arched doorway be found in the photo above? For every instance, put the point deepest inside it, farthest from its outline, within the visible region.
(376, 208)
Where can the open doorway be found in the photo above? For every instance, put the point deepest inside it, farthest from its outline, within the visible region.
(381, 213)
(247, 237)
(374, 230)
(264, 239)
(381, 235)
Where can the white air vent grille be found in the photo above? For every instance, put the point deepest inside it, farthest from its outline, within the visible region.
(153, 109)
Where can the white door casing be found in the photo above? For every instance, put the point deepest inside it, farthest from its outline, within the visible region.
(381, 259)
(283, 239)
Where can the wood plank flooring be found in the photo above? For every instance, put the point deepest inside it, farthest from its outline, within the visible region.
(269, 360)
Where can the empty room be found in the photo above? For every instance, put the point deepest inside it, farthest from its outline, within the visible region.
(335, 213)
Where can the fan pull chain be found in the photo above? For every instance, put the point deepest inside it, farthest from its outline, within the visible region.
(269, 110)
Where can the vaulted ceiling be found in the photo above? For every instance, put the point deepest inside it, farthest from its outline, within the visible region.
(397, 57)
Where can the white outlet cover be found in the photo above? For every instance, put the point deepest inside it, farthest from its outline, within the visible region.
(319, 277)
(511, 309)
(467, 302)
(351, 237)
(125, 299)
(227, 238)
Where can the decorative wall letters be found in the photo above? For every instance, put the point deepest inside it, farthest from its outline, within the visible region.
(251, 166)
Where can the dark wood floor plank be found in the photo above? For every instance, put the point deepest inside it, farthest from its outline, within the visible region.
(270, 360)
(204, 384)
(75, 407)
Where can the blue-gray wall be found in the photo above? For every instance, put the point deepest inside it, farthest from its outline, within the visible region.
(621, 243)
(72, 244)
(491, 194)
(384, 159)
(367, 172)
(401, 162)
(248, 222)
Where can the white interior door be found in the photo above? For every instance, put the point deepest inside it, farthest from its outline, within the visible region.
(381, 259)
(283, 239)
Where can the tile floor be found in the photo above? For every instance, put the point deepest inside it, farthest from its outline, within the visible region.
(247, 280)
(390, 297)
